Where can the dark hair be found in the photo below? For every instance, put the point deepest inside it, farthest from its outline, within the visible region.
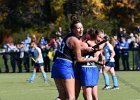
(72, 26)
(74, 20)
(91, 32)
(99, 31)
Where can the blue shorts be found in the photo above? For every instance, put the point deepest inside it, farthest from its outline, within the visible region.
(62, 68)
(38, 64)
(110, 64)
(89, 75)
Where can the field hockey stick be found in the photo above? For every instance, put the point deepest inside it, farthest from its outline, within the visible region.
(97, 45)
(99, 63)
(33, 59)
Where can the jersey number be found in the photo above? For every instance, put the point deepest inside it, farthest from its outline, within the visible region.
(62, 47)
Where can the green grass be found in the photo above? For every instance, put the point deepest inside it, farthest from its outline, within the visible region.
(13, 86)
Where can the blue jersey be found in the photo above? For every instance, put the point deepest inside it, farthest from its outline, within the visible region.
(63, 62)
(126, 45)
(64, 51)
(87, 72)
(38, 55)
(107, 51)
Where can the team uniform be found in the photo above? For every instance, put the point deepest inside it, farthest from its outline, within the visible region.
(107, 53)
(39, 59)
(89, 73)
(38, 63)
(107, 50)
(63, 63)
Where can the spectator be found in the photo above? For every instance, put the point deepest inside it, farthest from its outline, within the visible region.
(26, 59)
(46, 59)
(52, 43)
(43, 41)
(5, 57)
(124, 46)
(120, 33)
(33, 38)
(28, 39)
(12, 49)
(138, 28)
(139, 38)
(17, 58)
(59, 31)
(131, 40)
(137, 52)
(20, 56)
(117, 53)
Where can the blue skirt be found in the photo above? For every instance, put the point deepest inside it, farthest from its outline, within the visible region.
(38, 64)
(89, 75)
(110, 64)
(62, 68)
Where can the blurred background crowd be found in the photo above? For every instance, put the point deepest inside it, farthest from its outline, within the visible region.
(17, 56)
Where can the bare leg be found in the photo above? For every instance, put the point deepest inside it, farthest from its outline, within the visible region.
(61, 89)
(70, 87)
(95, 92)
(77, 88)
(87, 93)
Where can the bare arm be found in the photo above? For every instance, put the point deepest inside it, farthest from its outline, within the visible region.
(75, 44)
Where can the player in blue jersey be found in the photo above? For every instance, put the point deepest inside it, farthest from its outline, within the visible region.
(108, 53)
(38, 59)
(62, 69)
(88, 73)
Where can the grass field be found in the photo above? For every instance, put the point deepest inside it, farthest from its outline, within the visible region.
(13, 86)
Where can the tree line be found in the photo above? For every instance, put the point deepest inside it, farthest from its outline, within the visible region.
(44, 16)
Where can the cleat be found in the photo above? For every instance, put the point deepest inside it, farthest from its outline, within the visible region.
(30, 81)
(115, 88)
(106, 87)
(45, 82)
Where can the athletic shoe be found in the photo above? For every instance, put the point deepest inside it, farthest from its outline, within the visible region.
(45, 82)
(106, 87)
(30, 81)
(115, 88)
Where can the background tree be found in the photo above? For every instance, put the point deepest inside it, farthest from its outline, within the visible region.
(42, 17)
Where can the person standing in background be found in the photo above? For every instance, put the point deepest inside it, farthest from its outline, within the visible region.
(38, 59)
(12, 49)
(5, 57)
(137, 52)
(108, 55)
(45, 51)
(117, 53)
(124, 46)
